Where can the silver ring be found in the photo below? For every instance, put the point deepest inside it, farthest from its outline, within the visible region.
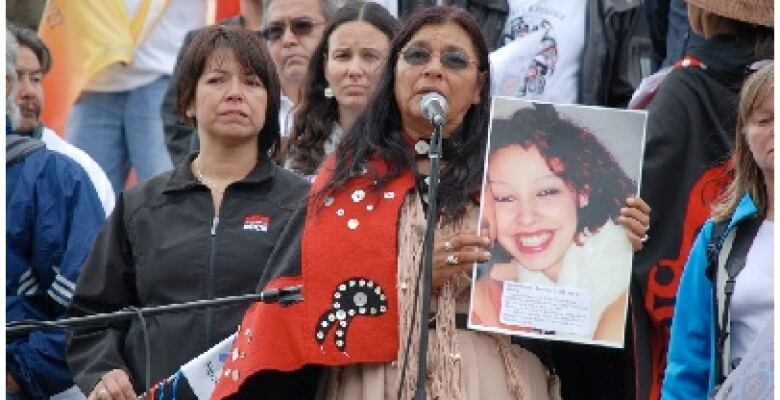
(448, 246)
(452, 259)
(644, 238)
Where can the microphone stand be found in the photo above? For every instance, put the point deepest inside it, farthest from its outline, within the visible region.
(285, 296)
(434, 154)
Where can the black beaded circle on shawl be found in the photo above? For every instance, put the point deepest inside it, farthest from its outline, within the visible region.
(352, 298)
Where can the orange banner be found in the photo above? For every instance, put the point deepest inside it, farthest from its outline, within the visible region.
(84, 37)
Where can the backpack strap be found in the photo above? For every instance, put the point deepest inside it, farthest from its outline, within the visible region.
(18, 147)
(726, 255)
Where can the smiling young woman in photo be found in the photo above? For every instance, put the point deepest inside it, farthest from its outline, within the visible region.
(559, 222)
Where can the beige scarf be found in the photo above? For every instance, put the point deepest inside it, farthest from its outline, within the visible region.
(445, 370)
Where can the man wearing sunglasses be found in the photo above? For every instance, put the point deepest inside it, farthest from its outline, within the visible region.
(292, 29)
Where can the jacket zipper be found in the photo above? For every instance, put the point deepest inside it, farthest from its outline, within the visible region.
(210, 278)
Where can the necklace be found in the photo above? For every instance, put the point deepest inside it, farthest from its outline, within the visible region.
(205, 181)
(448, 148)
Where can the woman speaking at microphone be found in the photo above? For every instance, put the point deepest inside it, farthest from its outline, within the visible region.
(202, 231)
(360, 244)
(358, 247)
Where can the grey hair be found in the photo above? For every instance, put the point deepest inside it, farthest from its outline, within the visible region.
(11, 50)
(327, 8)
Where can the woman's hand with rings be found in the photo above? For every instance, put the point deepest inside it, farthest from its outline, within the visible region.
(114, 385)
(635, 217)
(456, 253)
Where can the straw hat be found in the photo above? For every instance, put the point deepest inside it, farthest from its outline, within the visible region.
(757, 12)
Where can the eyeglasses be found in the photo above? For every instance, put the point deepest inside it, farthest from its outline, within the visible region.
(299, 27)
(450, 59)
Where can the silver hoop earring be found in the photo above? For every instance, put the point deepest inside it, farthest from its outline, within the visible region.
(328, 92)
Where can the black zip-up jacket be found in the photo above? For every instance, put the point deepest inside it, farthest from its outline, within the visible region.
(163, 244)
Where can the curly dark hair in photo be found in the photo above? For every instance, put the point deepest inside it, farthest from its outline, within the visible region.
(575, 155)
(378, 131)
(251, 55)
(316, 115)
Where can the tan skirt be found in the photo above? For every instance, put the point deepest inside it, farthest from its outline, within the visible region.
(483, 366)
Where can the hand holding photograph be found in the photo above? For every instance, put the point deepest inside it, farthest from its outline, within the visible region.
(560, 264)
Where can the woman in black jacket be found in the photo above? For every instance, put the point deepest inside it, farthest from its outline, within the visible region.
(202, 231)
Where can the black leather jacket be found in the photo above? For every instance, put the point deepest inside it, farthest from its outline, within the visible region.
(618, 52)
(162, 245)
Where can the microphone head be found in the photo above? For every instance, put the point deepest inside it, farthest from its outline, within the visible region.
(433, 106)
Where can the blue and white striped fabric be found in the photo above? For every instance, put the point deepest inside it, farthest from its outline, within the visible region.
(61, 289)
(28, 284)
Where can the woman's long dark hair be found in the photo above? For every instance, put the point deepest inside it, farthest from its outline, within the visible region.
(315, 118)
(378, 131)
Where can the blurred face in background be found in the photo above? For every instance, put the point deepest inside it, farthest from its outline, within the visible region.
(356, 54)
(292, 30)
(760, 135)
(29, 95)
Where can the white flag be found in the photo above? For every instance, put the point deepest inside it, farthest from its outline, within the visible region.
(203, 371)
(754, 377)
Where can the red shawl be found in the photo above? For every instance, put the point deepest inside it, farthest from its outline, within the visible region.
(348, 270)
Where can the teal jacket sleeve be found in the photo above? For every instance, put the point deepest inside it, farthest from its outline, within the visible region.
(691, 348)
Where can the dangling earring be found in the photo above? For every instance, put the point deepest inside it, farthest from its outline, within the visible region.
(583, 200)
(328, 92)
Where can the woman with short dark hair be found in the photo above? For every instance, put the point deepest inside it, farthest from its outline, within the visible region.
(202, 231)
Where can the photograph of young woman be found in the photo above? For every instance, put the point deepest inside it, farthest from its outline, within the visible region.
(563, 214)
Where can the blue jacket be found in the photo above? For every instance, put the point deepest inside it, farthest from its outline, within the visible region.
(690, 368)
(53, 215)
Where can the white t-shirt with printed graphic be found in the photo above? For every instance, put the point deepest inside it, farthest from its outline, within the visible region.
(542, 51)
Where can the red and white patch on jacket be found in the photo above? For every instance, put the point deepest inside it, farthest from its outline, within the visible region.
(257, 223)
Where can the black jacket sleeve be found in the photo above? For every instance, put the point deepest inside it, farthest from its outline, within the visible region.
(107, 283)
(617, 54)
(178, 134)
(632, 60)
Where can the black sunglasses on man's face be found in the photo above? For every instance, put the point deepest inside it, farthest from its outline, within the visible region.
(298, 26)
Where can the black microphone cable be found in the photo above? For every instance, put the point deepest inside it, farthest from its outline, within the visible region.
(147, 346)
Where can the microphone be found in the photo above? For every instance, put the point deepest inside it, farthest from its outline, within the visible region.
(433, 107)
